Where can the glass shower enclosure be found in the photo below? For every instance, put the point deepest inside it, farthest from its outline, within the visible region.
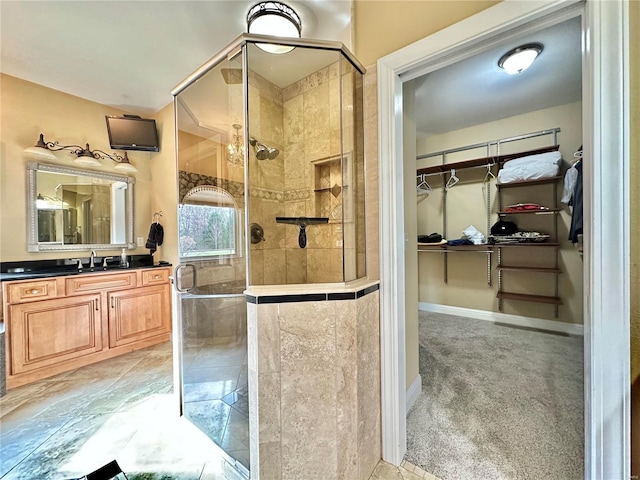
(271, 192)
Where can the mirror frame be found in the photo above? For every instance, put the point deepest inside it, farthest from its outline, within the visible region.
(32, 212)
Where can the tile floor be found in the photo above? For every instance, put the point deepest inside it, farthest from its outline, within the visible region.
(124, 409)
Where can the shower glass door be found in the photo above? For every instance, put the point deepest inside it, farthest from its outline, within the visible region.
(211, 276)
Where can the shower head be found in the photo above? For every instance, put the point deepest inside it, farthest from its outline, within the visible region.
(263, 152)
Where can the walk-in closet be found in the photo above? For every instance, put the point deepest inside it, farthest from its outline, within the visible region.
(498, 190)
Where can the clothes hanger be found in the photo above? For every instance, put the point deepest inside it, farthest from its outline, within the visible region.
(156, 217)
(423, 188)
(489, 176)
(452, 179)
(577, 156)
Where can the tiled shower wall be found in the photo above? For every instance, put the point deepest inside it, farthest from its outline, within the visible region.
(316, 395)
(303, 121)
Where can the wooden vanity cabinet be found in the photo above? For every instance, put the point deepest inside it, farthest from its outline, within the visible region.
(58, 324)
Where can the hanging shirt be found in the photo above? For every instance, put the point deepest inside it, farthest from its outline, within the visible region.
(570, 179)
(576, 217)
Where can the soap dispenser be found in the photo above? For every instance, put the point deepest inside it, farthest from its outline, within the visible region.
(123, 259)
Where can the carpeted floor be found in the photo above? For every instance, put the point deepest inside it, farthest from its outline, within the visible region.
(497, 402)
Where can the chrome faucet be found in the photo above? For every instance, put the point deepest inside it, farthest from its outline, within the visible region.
(93, 254)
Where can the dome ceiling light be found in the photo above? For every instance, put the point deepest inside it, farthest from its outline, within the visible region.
(519, 59)
(276, 19)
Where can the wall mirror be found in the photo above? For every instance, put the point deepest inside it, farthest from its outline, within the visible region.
(73, 209)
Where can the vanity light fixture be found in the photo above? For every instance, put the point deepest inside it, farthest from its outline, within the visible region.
(45, 202)
(235, 156)
(277, 19)
(85, 156)
(519, 59)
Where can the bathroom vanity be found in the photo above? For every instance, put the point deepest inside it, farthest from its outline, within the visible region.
(59, 322)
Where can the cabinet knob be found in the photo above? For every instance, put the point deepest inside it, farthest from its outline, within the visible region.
(34, 291)
(156, 277)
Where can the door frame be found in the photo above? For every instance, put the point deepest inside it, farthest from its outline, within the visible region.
(606, 212)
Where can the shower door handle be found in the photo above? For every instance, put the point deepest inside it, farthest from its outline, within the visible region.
(180, 273)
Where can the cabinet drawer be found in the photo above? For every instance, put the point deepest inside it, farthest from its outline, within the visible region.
(99, 283)
(30, 291)
(156, 276)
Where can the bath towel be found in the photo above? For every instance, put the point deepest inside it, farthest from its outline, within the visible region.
(155, 238)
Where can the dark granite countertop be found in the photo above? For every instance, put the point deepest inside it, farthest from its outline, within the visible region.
(64, 267)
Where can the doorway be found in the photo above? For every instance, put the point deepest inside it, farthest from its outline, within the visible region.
(606, 397)
(499, 320)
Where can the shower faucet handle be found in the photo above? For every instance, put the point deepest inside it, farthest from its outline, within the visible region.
(302, 236)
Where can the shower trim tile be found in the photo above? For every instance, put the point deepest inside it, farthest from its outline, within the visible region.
(311, 297)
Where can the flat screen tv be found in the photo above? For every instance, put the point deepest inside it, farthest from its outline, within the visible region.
(131, 132)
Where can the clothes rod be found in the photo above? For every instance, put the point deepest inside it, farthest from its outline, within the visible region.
(444, 250)
(442, 172)
(540, 133)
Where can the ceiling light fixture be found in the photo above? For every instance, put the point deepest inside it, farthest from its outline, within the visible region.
(236, 148)
(277, 19)
(85, 156)
(519, 59)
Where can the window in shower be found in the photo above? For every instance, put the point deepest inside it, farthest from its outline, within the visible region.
(208, 224)
(207, 231)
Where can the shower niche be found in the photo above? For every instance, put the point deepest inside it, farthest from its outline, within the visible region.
(276, 143)
(331, 188)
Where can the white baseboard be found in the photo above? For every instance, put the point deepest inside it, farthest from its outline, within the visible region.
(497, 317)
(414, 392)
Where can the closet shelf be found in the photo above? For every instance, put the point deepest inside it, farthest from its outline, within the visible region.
(485, 248)
(429, 247)
(546, 211)
(526, 183)
(529, 269)
(478, 162)
(526, 244)
(530, 298)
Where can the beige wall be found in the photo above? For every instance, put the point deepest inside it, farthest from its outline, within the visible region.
(164, 186)
(29, 109)
(466, 205)
(382, 27)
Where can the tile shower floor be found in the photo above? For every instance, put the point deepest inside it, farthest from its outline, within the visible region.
(124, 409)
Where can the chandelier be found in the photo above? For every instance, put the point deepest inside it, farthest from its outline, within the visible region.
(236, 148)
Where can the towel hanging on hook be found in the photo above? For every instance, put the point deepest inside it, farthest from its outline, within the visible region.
(156, 233)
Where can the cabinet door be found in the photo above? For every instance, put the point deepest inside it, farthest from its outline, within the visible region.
(139, 313)
(48, 332)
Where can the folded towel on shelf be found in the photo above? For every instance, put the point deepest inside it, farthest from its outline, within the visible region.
(155, 237)
(548, 158)
(531, 167)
